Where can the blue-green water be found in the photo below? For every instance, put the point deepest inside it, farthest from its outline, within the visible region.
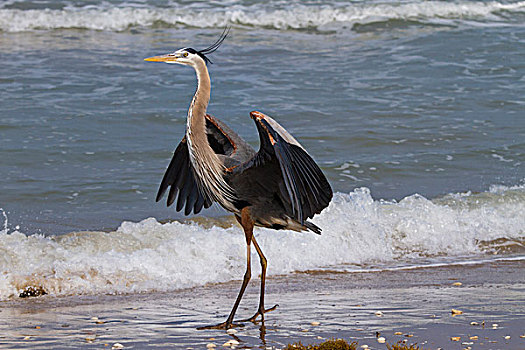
(400, 97)
(426, 98)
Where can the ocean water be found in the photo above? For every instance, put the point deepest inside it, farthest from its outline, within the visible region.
(414, 110)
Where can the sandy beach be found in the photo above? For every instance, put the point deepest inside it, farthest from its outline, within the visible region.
(412, 305)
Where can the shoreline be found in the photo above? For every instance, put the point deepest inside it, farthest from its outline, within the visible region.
(412, 305)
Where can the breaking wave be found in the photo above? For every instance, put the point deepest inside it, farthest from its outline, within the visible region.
(292, 16)
(358, 233)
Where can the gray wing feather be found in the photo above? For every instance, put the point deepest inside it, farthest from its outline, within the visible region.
(181, 179)
(306, 191)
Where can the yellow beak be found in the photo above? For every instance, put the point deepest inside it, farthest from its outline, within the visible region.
(162, 58)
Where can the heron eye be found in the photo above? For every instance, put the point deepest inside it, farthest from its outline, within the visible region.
(185, 54)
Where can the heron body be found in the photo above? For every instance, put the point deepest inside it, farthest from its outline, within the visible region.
(278, 187)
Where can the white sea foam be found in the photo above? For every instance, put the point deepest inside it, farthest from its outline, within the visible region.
(295, 16)
(152, 256)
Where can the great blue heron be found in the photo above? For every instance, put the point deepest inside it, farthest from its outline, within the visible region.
(278, 187)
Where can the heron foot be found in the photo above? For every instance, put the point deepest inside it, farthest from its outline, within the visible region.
(224, 325)
(261, 313)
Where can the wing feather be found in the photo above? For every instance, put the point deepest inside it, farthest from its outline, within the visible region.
(305, 190)
(180, 178)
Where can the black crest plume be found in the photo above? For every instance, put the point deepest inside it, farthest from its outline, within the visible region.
(214, 46)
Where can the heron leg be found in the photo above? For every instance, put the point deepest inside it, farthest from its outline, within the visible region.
(261, 310)
(247, 224)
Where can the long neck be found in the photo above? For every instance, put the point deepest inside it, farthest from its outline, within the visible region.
(197, 113)
(208, 168)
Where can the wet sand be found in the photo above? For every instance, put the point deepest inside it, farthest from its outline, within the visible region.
(415, 306)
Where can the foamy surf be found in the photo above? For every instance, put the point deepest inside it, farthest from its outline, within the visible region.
(357, 231)
(293, 16)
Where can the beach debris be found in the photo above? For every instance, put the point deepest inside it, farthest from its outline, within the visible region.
(378, 314)
(456, 312)
(37, 327)
(315, 323)
(467, 343)
(211, 338)
(507, 337)
(364, 346)
(398, 333)
(495, 325)
(359, 329)
(319, 337)
(455, 338)
(474, 323)
(522, 335)
(211, 346)
(31, 291)
(409, 335)
(231, 343)
(27, 337)
(90, 338)
(474, 337)
(457, 284)
(117, 346)
(381, 340)
(97, 320)
(231, 331)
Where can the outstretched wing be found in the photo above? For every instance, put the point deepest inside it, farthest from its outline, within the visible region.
(306, 191)
(181, 179)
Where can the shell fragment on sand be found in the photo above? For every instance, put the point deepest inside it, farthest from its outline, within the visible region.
(381, 340)
(230, 343)
(457, 284)
(456, 312)
(315, 323)
(398, 333)
(231, 331)
(455, 338)
(211, 346)
(378, 313)
(474, 337)
(117, 346)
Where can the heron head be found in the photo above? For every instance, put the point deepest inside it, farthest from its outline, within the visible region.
(188, 56)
